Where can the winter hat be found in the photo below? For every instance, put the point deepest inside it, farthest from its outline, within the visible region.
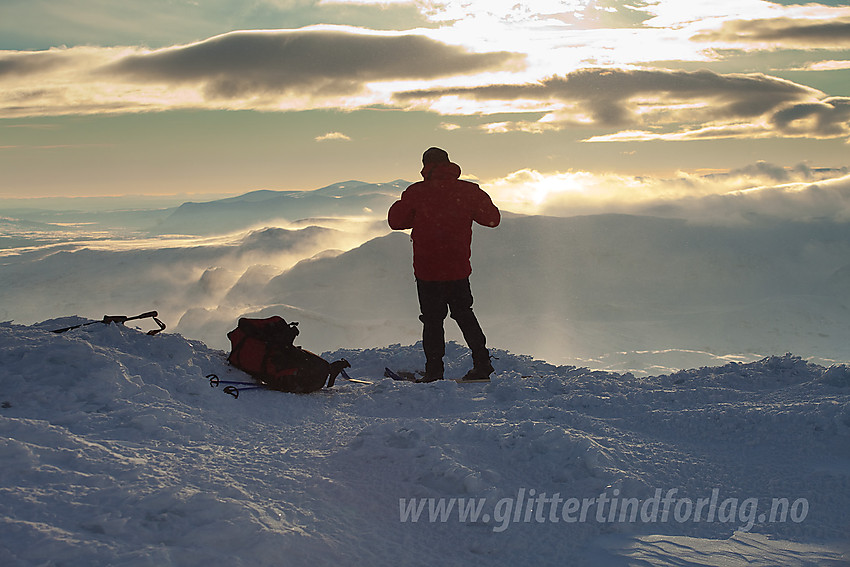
(435, 155)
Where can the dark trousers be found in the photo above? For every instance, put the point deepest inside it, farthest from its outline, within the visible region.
(436, 300)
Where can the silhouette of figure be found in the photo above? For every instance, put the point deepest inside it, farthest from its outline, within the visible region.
(441, 209)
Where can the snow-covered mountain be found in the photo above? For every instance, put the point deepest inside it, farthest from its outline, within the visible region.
(619, 292)
(116, 451)
(259, 208)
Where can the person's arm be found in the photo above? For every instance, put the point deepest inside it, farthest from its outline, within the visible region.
(402, 212)
(487, 214)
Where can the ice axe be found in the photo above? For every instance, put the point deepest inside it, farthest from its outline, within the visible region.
(121, 319)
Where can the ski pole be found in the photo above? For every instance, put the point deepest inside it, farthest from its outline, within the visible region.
(234, 391)
(120, 319)
(214, 381)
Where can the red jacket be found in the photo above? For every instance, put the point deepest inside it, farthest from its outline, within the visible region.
(440, 210)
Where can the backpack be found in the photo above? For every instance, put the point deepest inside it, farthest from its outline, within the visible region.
(264, 349)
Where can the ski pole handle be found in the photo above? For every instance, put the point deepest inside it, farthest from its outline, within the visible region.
(151, 314)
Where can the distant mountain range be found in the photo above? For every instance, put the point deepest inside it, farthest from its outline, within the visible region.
(259, 208)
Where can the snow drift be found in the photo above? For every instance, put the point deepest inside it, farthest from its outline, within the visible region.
(117, 451)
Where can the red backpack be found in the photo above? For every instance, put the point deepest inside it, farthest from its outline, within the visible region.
(264, 349)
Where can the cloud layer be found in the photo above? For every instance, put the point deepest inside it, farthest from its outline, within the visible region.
(786, 32)
(663, 104)
(260, 70)
(606, 67)
(328, 61)
(322, 68)
(760, 192)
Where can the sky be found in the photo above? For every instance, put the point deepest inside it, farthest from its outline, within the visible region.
(618, 100)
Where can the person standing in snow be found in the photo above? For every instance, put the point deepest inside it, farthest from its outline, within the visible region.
(441, 209)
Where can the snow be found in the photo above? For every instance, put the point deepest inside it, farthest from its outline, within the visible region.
(116, 451)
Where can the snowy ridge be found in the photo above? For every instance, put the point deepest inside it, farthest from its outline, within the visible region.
(117, 451)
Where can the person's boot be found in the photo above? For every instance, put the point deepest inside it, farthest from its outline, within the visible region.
(433, 371)
(481, 368)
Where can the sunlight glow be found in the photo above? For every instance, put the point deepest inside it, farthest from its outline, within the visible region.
(571, 193)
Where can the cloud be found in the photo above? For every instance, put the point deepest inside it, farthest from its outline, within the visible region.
(825, 66)
(758, 191)
(19, 65)
(827, 118)
(647, 104)
(261, 70)
(619, 97)
(827, 200)
(328, 60)
(823, 119)
(40, 24)
(333, 136)
(783, 32)
(351, 68)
